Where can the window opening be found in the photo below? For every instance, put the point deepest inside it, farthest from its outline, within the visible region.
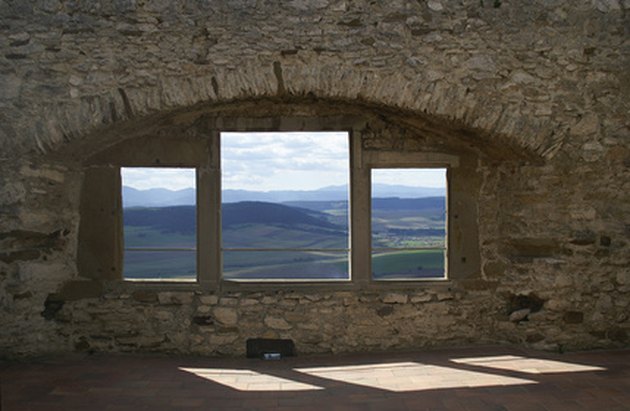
(409, 223)
(159, 223)
(285, 205)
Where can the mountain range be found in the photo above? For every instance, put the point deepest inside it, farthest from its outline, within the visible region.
(161, 197)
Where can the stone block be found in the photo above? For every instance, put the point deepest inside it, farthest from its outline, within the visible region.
(277, 323)
(203, 309)
(164, 315)
(226, 315)
(144, 296)
(623, 277)
(175, 298)
(228, 301)
(209, 299)
(222, 339)
(444, 296)
(519, 315)
(395, 298)
(422, 298)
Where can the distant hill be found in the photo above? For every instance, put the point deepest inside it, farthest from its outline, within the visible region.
(390, 203)
(394, 203)
(257, 212)
(159, 197)
(181, 219)
(176, 219)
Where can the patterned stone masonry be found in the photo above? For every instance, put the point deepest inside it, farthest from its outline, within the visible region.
(537, 90)
(320, 322)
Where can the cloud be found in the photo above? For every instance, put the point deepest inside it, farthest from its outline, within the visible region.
(284, 161)
(265, 161)
(412, 177)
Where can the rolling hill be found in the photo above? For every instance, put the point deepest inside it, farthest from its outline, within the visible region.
(320, 225)
(181, 219)
(160, 197)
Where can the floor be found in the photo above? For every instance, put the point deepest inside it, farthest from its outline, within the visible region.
(466, 379)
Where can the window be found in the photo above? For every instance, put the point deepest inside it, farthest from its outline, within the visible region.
(285, 205)
(159, 223)
(343, 207)
(408, 223)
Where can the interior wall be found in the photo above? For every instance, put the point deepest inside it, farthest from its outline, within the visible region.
(537, 91)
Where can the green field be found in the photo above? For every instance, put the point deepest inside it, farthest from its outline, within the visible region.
(165, 265)
(391, 228)
(284, 264)
(408, 264)
(151, 237)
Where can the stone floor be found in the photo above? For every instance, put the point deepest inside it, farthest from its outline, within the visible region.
(488, 378)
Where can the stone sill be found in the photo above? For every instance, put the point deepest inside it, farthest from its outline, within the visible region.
(318, 286)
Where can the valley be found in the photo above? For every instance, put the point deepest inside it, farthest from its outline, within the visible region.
(257, 234)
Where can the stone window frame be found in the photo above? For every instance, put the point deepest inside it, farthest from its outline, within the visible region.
(362, 160)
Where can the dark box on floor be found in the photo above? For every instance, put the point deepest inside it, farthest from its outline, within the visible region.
(258, 347)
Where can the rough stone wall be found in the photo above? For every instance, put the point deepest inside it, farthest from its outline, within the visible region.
(545, 78)
(319, 322)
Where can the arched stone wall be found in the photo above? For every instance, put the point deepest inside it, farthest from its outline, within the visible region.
(536, 74)
(539, 90)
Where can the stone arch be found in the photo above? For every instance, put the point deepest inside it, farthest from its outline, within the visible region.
(439, 101)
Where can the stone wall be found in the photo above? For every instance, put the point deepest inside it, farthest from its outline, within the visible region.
(537, 89)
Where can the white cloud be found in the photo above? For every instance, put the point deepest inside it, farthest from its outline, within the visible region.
(268, 161)
(415, 177)
(284, 161)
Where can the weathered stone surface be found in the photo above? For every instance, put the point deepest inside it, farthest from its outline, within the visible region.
(445, 296)
(225, 315)
(209, 299)
(76, 290)
(520, 315)
(573, 317)
(536, 90)
(395, 298)
(277, 323)
(623, 277)
(204, 309)
(423, 298)
(145, 296)
(174, 297)
(203, 320)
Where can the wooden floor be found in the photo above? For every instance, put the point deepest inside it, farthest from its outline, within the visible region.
(489, 378)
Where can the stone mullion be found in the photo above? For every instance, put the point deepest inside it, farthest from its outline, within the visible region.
(209, 218)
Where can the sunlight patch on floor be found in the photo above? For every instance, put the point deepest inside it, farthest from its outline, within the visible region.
(247, 380)
(526, 365)
(410, 376)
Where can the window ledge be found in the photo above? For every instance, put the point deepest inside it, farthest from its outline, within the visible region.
(258, 286)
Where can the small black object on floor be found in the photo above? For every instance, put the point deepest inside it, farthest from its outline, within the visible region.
(258, 347)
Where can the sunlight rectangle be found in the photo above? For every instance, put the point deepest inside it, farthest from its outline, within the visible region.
(411, 376)
(247, 380)
(527, 365)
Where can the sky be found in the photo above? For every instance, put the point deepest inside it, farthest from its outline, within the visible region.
(270, 161)
(170, 178)
(284, 161)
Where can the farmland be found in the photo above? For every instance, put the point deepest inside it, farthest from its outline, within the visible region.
(256, 235)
